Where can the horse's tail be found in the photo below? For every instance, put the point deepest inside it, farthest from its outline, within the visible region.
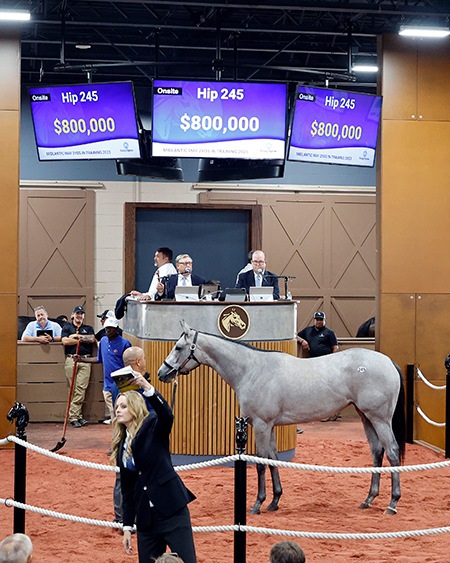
(398, 419)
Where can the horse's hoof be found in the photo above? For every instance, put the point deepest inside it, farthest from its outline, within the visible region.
(365, 505)
(390, 511)
(254, 510)
(272, 507)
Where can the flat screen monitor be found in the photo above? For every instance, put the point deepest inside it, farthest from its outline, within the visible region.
(87, 121)
(219, 120)
(333, 127)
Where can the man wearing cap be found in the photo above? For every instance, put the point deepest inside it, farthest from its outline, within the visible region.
(53, 330)
(165, 268)
(110, 351)
(101, 333)
(318, 339)
(72, 333)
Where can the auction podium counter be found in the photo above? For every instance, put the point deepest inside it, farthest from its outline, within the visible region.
(205, 406)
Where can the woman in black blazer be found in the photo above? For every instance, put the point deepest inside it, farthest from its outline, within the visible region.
(154, 496)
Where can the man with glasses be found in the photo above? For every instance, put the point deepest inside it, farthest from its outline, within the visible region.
(258, 276)
(185, 277)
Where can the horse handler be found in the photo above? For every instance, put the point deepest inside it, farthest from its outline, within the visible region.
(154, 496)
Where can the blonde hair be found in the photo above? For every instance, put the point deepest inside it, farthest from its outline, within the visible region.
(138, 409)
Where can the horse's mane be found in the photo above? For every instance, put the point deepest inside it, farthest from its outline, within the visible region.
(244, 344)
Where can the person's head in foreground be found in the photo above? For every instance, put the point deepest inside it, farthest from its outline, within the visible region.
(16, 549)
(287, 552)
(169, 558)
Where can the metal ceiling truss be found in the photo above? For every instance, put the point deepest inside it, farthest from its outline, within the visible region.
(298, 41)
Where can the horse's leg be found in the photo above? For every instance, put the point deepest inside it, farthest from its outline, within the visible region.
(276, 482)
(261, 469)
(377, 451)
(387, 439)
(262, 439)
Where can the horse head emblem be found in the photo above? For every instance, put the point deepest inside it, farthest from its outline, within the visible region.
(232, 318)
(233, 322)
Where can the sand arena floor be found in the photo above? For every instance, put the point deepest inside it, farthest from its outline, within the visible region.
(313, 502)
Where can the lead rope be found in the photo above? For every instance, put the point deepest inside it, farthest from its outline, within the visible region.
(175, 385)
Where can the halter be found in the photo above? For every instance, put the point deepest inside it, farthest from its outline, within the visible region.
(191, 356)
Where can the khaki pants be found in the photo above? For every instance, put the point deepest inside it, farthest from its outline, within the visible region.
(108, 400)
(82, 375)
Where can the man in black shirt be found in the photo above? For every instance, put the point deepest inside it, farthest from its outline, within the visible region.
(319, 340)
(72, 333)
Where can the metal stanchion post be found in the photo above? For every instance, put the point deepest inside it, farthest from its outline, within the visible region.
(240, 490)
(20, 413)
(410, 403)
(447, 408)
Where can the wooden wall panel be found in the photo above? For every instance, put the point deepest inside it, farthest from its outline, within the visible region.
(327, 241)
(398, 77)
(10, 82)
(9, 193)
(415, 200)
(432, 69)
(397, 328)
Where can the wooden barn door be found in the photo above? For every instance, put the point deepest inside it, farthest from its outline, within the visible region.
(56, 251)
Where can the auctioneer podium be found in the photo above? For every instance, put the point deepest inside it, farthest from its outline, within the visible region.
(205, 406)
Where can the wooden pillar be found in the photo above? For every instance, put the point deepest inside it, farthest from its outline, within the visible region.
(413, 191)
(9, 197)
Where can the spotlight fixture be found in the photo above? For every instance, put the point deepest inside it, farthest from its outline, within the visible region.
(82, 46)
(364, 67)
(423, 31)
(14, 15)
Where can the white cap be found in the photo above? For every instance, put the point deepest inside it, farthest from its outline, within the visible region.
(111, 321)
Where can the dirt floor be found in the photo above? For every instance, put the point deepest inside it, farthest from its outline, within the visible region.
(312, 502)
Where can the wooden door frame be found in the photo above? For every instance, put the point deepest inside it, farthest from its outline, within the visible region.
(131, 208)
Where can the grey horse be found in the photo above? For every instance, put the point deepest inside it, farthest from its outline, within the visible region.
(275, 389)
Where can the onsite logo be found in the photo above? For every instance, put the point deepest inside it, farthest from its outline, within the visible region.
(233, 322)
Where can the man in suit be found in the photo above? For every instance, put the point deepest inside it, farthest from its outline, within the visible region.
(185, 277)
(153, 493)
(258, 276)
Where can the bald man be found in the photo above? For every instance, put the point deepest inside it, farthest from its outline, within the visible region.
(135, 358)
(16, 549)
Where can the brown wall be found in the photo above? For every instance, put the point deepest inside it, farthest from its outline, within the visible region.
(327, 241)
(414, 205)
(9, 196)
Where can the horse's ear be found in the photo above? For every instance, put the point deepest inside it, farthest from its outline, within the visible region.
(186, 328)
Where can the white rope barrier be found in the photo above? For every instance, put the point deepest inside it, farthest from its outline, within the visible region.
(237, 528)
(245, 457)
(325, 469)
(333, 536)
(425, 417)
(425, 380)
(60, 457)
(61, 515)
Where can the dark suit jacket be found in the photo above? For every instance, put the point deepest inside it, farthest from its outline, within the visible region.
(247, 280)
(155, 479)
(173, 280)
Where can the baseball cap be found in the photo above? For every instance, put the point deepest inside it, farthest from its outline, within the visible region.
(104, 314)
(110, 321)
(79, 309)
(319, 315)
